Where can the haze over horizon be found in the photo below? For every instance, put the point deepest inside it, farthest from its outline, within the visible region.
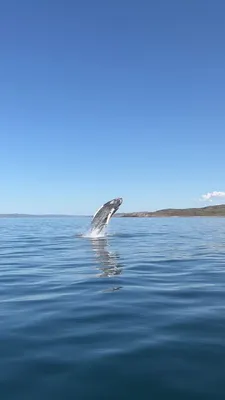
(102, 100)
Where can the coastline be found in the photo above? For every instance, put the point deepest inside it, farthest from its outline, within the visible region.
(209, 211)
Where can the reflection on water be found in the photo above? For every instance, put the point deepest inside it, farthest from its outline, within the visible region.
(67, 334)
(109, 264)
(112, 289)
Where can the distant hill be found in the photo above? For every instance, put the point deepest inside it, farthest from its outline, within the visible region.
(210, 211)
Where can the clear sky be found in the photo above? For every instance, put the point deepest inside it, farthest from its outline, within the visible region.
(102, 99)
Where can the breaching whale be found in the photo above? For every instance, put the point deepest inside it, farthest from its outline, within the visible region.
(103, 214)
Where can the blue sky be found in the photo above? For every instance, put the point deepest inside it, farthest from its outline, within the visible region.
(103, 99)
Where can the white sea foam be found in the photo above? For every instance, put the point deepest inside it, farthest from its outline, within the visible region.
(95, 234)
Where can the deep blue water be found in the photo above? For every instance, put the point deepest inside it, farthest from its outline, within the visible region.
(140, 314)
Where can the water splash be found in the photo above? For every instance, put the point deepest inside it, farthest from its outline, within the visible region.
(95, 234)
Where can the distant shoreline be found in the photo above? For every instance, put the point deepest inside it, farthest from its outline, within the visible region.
(210, 211)
(41, 216)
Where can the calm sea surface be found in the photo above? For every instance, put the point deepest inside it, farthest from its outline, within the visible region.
(137, 315)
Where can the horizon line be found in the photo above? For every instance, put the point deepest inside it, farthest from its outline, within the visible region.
(2, 215)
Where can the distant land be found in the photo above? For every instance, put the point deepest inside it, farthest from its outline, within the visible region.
(15, 215)
(210, 211)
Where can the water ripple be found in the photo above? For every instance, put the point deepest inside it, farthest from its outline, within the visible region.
(139, 313)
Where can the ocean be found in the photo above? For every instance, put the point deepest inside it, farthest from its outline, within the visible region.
(137, 314)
